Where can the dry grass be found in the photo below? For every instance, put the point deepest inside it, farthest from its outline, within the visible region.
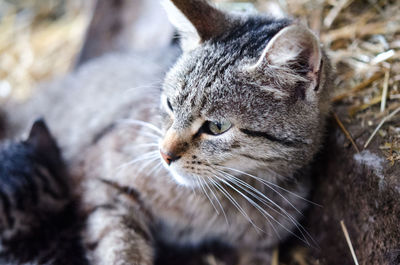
(363, 41)
(348, 240)
(38, 41)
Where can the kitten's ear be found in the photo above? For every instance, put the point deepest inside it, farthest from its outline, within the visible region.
(40, 137)
(196, 20)
(297, 48)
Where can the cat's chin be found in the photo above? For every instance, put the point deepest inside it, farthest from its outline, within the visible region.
(182, 178)
(183, 181)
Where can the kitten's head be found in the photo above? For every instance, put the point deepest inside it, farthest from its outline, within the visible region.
(248, 94)
(32, 178)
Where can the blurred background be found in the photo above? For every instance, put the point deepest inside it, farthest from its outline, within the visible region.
(39, 40)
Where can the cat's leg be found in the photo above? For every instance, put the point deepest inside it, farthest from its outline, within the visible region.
(118, 229)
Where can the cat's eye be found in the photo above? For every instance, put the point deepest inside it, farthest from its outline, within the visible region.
(169, 105)
(216, 128)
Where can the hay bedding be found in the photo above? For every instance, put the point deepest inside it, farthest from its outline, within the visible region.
(363, 40)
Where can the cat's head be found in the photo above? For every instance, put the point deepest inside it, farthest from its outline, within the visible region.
(33, 183)
(22, 163)
(249, 94)
(39, 147)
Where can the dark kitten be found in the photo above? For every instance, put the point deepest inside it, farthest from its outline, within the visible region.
(37, 215)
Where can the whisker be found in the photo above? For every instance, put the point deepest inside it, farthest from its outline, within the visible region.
(294, 221)
(154, 169)
(193, 190)
(205, 192)
(149, 134)
(145, 145)
(267, 203)
(158, 169)
(263, 195)
(261, 210)
(146, 164)
(219, 203)
(267, 183)
(142, 123)
(235, 203)
(140, 158)
(156, 84)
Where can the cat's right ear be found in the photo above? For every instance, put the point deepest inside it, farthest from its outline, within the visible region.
(297, 49)
(196, 20)
(41, 139)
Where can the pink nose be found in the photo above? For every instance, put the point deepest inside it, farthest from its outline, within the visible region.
(169, 157)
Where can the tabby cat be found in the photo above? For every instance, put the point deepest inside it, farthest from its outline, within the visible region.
(242, 115)
(219, 154)
(37, 214)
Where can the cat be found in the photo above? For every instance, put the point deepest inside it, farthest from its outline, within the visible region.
(216, 152)
(242, 115)
(37, 213)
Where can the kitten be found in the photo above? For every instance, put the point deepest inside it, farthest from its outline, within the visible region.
(37, 214)
(242, 115)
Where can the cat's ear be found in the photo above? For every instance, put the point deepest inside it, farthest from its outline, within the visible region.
(196, 20)
(296, 48)
(41, 139)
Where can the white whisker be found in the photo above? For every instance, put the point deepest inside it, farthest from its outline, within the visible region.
(142, 123)
(145, 156)
(267, 183)
(150, 86)
(260, 209)
(293, 220)
(145, 145)
(155, 168)
(147, 163)
(262, 194)
(219, 203)
(205, 192)
(235, 203)
(267, 203)
(158, 169)
(149, 134)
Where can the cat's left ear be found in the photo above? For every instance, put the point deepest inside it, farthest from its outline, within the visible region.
(40, 137)
(296, 48)
(196, 20)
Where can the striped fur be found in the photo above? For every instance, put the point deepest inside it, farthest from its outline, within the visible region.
(243, 187)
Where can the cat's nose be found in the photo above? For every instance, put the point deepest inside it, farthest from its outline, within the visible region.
(169, 157)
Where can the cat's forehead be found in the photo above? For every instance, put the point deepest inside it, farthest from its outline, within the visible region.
(210, 80)
(215, 93)
(199, 80)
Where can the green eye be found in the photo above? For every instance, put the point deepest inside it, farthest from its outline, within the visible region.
(216, 128)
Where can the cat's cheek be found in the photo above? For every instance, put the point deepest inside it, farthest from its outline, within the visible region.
(240, 164)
